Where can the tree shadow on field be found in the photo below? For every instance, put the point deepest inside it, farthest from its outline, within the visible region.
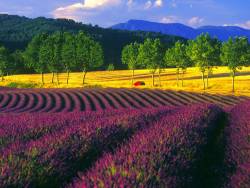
(211, 170)
(221, 75)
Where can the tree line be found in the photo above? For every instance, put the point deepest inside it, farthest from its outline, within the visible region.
(204, 52)
(67, 52)
(59, 52)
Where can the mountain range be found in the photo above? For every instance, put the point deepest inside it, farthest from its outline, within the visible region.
(221, 32)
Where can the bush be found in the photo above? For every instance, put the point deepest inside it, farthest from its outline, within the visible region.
(111, 67)
(22, 85)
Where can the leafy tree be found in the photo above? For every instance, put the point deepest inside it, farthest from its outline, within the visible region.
(69, 53)
(204, 51)
(55, 63)
(3, 61)
(31, 54)
(45, 57)
(149, 56)
(235, 54)
(89, 54)
(17, 63)
(177, 57)
(159, 56)
(130, 57)
(214, 59)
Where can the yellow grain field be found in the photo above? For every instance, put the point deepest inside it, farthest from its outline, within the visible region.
(220, 81)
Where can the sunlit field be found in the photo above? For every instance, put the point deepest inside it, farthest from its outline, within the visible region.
(220, 81)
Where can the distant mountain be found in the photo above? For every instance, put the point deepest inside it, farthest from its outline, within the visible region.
(221, 32)
(16, 32)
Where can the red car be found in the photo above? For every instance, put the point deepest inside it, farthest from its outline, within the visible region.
(139, 83)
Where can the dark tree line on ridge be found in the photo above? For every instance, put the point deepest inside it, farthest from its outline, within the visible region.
(204, 52)
(16, 33)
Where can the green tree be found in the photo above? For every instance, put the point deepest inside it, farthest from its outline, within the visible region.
(159, 57)
(17, 63)
(31, 54)
(235, 54)
(214, 57)
(130, 57)
(69, 53)
(149, 56)
(44, 59)
(89, 54)
(46, 56)
(55, 63)
(3, 61)
(177, 57)
(204, 51)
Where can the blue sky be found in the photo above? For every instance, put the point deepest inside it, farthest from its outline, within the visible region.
(108, 12)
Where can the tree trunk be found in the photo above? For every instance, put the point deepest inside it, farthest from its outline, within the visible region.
(182, 82)
(203, 79)
(159, 75)
(177, 77)
(67, 77)
(153, 79)
(233, 75)
(42, 78)
(84, 76)
(133, 75)
(53, 75)
(207, 77)
(57, 77)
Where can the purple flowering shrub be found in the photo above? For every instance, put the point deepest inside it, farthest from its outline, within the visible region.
(167, 154)
(27, 126)
(51, 152)
(238, 147)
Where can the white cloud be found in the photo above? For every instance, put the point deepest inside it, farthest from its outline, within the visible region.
(100, 3)
(169, 19)
(148, 5)
(195, 21)
(72, 11)
(130, 3)
(245, 25)
(158, 3)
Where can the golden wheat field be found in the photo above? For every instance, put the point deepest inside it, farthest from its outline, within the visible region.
(219, 82)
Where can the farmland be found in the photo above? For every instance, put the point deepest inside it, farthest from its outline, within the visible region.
(220, 81)
(140, 137)
(157, 127)
(78, 100)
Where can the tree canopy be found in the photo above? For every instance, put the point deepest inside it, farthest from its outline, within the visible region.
(204, 51)
(235, 53)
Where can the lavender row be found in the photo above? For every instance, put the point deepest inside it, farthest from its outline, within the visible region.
(27, 126)
(168, 154)
(56, 157)
(238, 146)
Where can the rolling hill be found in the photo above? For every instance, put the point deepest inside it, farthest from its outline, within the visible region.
(16, 32)
(221, 32)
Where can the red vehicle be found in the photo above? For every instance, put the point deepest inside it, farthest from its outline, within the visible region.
(139, 83)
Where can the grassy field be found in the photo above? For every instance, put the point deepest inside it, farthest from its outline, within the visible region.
(220, 81)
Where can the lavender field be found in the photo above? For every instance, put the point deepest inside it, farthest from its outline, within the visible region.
(123, 138)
